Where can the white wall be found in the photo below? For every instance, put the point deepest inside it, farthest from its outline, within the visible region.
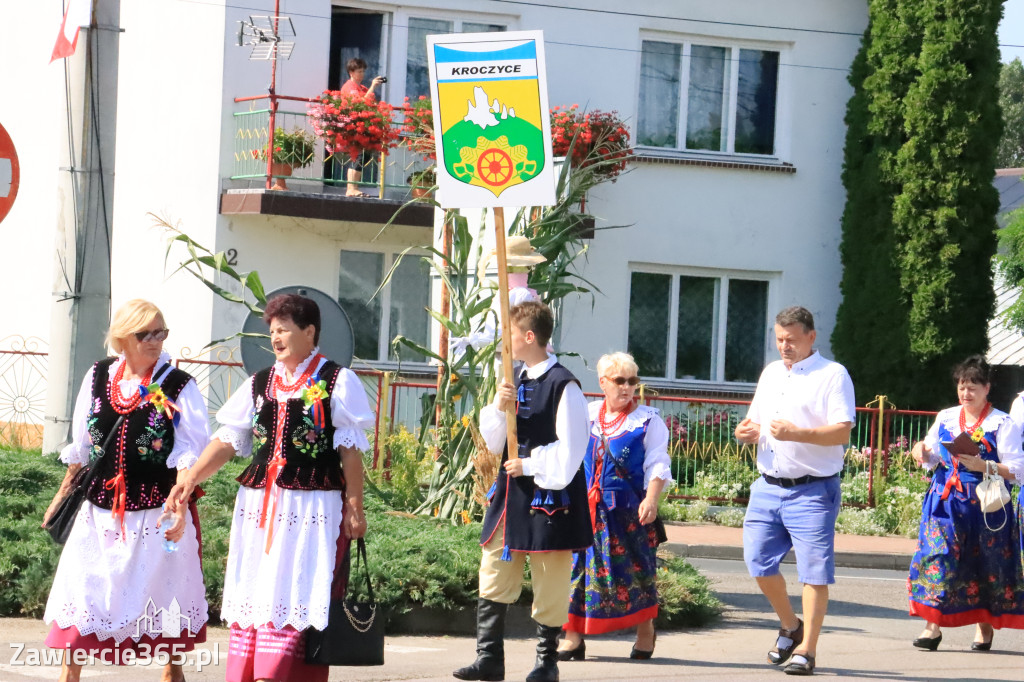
(30, 111)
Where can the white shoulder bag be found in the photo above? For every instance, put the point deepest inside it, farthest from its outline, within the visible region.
(992, 494)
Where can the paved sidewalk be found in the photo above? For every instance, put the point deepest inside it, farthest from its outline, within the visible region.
(711, 541)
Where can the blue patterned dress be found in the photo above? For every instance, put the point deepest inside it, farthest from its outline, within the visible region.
(963, 573)
(614, 585)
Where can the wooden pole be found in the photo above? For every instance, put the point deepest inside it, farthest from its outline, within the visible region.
(506, 334)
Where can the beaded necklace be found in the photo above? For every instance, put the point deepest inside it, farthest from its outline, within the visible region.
(977, 424)
(284, 388)
(610, 427)
(119, 403)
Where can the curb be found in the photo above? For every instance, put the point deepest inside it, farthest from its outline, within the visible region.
(876, 560)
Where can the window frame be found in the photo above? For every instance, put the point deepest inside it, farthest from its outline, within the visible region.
(389, 255)
(718, 356)
(781, 140)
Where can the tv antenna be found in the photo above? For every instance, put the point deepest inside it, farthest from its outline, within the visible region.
(264, 33)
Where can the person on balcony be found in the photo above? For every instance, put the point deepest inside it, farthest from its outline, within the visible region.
(538, 504)
(967, 568)
(801, 417)
(356, 69)
(614, 584)
(300, 500)
(116, 586)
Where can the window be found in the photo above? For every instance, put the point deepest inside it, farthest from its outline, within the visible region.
(704, 328)
(400, 308)
(417, 79)
(707, 98)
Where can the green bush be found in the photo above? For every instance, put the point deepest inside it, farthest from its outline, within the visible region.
(414, 560)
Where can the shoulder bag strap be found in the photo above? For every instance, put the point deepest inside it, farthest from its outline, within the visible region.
(94, 467)
(361, 554)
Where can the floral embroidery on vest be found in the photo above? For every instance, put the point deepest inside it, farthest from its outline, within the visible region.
(150, 442)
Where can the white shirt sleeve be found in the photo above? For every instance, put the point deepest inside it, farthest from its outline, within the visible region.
(554, 465)
(193, 430)
(1016, 465)
(1008, 444)
(657, 463)
(492, 427)
(754, 411)
(842, 405)
(77, 451)
(235, 419)
(350, 412)
(931, 442)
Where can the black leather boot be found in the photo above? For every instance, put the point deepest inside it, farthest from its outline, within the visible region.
(546, 669)
(490, 644)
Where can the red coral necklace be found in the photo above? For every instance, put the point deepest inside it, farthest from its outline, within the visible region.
(120, 404)
(610, 427)
(977, 424)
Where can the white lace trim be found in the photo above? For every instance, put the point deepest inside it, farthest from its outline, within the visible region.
(633, 421)
(290, 585)
(185, 459)
(279, 367)
(75, 453)
(238, 439)
(351, 438)
(1016, 468)
(124, 588)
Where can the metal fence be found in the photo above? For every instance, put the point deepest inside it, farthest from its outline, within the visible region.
(707, 462)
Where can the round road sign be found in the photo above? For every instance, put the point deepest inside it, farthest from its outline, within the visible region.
(10, 173)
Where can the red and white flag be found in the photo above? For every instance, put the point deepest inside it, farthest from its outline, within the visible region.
(78, 14)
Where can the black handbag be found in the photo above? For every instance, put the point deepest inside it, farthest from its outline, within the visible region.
(355, 630)
(63, 518)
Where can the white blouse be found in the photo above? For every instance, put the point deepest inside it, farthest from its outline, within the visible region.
(1008, 437)
(190, 435)
(351, 415)
(657, 463)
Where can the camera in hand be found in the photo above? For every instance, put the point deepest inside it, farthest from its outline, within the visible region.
(383, 79)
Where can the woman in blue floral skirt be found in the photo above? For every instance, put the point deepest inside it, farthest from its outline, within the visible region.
(627, 466)
(967, 568)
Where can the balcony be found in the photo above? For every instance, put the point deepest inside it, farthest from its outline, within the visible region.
(318, 190)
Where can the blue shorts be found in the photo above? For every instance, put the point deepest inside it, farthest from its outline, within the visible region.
(802, 518)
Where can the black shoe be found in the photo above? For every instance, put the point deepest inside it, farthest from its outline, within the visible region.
(640, 654)
(781, 654)
(490, 644)
(929, 643)
(981, 646)
(546, 669)
(577, 654)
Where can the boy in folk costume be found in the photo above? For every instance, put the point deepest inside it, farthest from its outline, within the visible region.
(539, 505)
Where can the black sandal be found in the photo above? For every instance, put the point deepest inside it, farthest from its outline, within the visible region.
(780, 654)
(803, 664)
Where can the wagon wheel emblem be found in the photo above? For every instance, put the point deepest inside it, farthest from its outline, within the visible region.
(495, 167)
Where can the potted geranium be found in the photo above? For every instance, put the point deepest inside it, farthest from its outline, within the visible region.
(350, 124)
(601, 139)
(418, 127)
(422, 182)
(291, 150)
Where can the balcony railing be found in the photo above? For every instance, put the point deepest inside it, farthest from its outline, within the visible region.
(385, 175)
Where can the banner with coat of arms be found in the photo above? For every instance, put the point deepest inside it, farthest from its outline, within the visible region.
(491, 119)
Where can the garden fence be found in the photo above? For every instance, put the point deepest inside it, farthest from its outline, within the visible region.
(707, 462)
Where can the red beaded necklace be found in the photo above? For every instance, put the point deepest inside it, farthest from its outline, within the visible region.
(610, 427)
(282, 387)
(119, 402)
(977, 424)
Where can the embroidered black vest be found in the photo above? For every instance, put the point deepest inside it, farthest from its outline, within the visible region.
(311, 461)
(538, 520)
(141, 447)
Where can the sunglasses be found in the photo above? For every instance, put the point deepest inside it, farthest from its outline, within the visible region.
(620, 381)
(152, 335)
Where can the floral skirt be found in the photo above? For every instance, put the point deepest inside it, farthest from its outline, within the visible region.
(963, 573)
(614, 584)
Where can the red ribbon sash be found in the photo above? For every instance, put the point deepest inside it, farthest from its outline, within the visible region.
(953, 479)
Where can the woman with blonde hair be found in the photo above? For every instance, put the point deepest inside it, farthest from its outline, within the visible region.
(627, 467)
(143, 423)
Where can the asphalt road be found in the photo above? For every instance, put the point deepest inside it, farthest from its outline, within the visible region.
(867, 637)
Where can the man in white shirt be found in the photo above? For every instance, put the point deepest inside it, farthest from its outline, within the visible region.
(539, 505)
(800, 418)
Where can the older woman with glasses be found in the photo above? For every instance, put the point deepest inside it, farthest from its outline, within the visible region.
(627, 467)
(143, 423)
